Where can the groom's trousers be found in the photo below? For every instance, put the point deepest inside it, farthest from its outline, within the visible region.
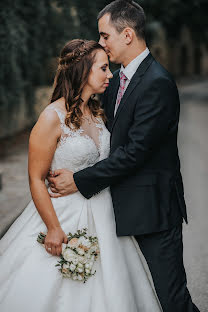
(163, 252)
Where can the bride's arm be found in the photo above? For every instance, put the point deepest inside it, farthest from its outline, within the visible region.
(42, 145)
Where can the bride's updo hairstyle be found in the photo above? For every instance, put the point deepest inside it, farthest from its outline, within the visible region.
(75, 63)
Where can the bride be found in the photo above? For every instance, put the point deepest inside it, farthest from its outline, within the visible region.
(71, 133)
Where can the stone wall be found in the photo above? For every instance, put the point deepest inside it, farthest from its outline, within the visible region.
(13, 119)
(17, 118)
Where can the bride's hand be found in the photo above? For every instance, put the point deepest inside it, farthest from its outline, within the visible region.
(53, 241)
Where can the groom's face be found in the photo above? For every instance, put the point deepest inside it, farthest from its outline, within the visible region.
(112, 41)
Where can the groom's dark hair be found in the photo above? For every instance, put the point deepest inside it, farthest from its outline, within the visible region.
(126, 14)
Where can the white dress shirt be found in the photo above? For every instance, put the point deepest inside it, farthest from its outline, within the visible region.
(131, 68)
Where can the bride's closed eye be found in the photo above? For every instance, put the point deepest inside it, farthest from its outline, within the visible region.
(104, 68)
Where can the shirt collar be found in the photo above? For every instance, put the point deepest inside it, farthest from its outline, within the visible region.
(131, 68)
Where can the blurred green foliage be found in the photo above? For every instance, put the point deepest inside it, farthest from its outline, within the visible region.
(32, 32)
(25, 45)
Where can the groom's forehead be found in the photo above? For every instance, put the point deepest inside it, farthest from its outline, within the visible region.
(104, 23)
(105, 27)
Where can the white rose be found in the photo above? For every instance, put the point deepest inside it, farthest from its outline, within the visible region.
(72, 267)
(87, 271)
(75, 261)
(68, 255)
(80, 270)
(84, 241)
(87, 266)
(81, 239)
(81, 259)
(74, 277)
(84, 260)
(80, 251)
(80, 265)
(65, 266)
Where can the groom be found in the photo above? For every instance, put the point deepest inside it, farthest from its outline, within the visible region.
(143, 168)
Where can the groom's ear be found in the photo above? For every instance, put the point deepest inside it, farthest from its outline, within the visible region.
(128, 34)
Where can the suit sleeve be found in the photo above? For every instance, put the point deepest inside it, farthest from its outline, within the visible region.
(154, 115)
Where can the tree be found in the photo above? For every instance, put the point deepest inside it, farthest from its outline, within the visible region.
(25, 46)
(32, 32)
(173, 14)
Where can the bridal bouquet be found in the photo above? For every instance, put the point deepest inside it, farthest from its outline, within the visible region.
(78, 255)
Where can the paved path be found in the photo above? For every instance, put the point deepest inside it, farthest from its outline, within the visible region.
(15, 193)
(193, 143)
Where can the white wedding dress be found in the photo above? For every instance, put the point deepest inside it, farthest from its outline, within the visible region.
(29, 280)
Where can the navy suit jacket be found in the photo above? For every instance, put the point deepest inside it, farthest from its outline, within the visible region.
(143, 168)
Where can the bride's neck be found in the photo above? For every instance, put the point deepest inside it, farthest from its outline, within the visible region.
(85, 108)
(86, 94)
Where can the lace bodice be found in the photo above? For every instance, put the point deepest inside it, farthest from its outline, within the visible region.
(82, 148)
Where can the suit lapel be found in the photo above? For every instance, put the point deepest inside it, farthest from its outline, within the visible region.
(136, 79)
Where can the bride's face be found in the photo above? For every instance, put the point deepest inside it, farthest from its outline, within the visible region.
(100, 74)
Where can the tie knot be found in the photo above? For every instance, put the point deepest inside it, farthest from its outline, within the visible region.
(122, 76)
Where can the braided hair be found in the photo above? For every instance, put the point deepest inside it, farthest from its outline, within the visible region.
(74, 66)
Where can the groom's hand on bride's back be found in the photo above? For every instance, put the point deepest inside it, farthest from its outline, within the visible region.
(61, 183)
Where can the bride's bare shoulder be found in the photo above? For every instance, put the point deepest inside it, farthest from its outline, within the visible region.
(49, 114)
(57, 105)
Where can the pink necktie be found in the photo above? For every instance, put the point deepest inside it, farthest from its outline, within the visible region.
(121, 90)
